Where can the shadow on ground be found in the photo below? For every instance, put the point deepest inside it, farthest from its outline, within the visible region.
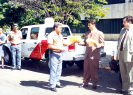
(108, 80)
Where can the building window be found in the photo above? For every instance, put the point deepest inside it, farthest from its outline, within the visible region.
(130, 0)
(113, 1)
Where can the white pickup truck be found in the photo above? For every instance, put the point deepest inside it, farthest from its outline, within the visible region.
(34, 46)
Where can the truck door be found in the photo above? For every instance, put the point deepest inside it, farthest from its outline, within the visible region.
(33, 44)
(23, 42)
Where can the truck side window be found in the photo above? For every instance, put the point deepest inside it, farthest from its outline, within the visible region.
(65, 32)
(34, 33)
(24, 33)
(48, 30)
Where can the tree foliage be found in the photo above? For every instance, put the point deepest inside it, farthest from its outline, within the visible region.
(64, 11)
(14, 14)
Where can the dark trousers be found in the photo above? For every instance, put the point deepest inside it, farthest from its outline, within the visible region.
(90, 71)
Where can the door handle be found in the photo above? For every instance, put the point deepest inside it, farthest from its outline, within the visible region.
(35, 42)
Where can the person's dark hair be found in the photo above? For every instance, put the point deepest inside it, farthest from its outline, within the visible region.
(56, 24)
(92, 21)
(128, 18)
(132, 20)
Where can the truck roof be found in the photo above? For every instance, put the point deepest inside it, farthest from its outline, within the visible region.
(38, 25)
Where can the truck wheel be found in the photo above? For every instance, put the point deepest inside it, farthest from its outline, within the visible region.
(48, 64)
(80, 64)
(7, 58)
(69, 63)
(36, 60)
(26, 58)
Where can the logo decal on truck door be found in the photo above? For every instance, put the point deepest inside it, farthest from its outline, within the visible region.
(32, 49)
(39, 50)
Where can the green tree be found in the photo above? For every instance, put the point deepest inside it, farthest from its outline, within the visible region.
(64, 10)
(14, 14)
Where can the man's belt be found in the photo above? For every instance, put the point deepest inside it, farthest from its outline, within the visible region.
(56, 51)
(14, 44)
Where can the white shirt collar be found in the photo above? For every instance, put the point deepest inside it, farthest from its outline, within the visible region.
(94, 30)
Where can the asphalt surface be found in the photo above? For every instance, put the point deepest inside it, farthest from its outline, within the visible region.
(33, 79)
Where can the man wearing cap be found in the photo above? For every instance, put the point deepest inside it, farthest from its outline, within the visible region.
(14, 37)
(55, 45)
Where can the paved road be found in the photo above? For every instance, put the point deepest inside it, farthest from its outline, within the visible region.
(33, 79)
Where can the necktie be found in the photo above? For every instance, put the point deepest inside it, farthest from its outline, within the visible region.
(121, 48)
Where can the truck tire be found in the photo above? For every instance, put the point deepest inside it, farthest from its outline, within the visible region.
(26, 58)
(80, 64)
(36, 60)
(69, 63)
(7, 58)
(48, 64)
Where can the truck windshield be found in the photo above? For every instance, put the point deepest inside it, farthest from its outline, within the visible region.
(65, 31)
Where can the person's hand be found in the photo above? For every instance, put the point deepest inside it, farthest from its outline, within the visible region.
(95, 44)
(77, 41)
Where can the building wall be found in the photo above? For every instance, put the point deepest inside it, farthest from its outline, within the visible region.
(119, 10)
(116, 10)
(111, 24)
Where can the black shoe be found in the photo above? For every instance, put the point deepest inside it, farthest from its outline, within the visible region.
(120, 92)
(59, 86)
(81, 86)
(53, 89)
(94, 87)
(2, 67)
(19, 69)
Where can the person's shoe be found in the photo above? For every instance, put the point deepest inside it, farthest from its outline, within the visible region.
(120, 92)
(19, 69)
(59, 86)
(81, 86)
(13, 69)
(94, 87)
(53, 89)
(2, 67)
(130, 93)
